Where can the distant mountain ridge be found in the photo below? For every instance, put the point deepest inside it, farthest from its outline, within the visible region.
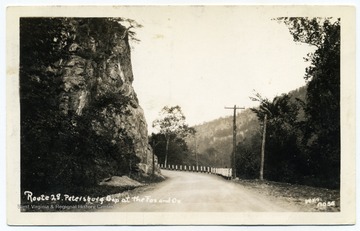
(213, 140)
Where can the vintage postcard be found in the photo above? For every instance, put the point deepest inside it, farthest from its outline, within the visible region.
(180, 115)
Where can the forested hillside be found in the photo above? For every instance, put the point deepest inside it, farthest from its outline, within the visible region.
(214, 139)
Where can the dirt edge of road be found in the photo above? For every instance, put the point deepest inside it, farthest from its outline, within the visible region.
(308, 199)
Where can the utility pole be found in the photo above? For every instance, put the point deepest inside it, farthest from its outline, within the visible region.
(233, 159)
(153, 154)
(263, 150)
(153, 157)
(196, 156)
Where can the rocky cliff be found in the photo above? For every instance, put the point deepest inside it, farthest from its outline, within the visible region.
(99, 67)
(81, 121)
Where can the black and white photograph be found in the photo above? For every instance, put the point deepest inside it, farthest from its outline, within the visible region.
(183, 114)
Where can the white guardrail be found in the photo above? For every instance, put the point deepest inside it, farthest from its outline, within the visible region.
(226, 172)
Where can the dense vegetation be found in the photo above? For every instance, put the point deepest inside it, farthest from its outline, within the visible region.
(169, 143)
(307, 150)
(178, 151)
(63, 151)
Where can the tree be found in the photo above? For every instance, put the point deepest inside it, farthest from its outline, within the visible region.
(322, 109)
(280, 116)
(171, 123)
(248, 160)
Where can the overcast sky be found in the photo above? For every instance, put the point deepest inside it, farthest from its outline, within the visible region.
(205, 58)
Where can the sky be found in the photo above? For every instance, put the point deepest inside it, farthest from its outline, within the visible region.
(206, 58)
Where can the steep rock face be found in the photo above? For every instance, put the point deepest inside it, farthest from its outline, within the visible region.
(98, 68)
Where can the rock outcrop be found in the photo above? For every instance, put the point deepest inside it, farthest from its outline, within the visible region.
(98, 66)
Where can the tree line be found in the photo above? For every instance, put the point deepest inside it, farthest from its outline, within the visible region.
(300, 138)
(169, 143)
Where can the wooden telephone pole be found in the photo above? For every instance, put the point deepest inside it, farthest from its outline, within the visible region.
(196, 156)
(263, 150)
(233, 159)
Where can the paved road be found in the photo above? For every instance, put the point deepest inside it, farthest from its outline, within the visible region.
(200, 192)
